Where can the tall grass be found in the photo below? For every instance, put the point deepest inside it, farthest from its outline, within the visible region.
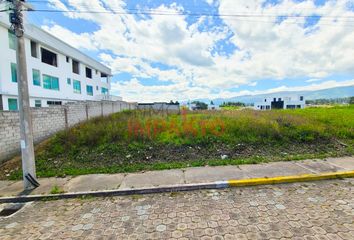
(232, 127)
(133, 141)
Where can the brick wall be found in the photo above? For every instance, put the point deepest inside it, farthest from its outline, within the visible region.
(47, 121)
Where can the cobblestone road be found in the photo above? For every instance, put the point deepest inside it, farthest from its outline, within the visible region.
(319, 210)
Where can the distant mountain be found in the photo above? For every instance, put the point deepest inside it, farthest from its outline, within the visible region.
(337, 92)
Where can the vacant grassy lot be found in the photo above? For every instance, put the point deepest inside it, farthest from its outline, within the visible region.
(135, 141)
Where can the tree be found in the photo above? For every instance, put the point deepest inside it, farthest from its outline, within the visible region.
(200, 105)
(211, 102)
(232, 104)
(351, 100)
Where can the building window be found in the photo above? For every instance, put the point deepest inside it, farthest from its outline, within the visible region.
(13, 106)
(76, 66)
(104, 77)
(50, 82)
(12, 40)
(14, 72)
(68, 81)
(301, 98)
(89, 90)
(34, 49)
(36, 75)
(77, 86)
(265, 100)
(96, 71)
(97, 88)
(54, 102)
(104, 90)
(67, 59)
(49, 57)
(88, 72)
(37, 103)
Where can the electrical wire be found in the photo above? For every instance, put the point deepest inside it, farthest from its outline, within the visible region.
(154, 12)
(329, 20)
(159, 11)
(326, 20)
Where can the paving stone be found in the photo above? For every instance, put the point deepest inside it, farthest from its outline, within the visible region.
(47, 184)
(151, 179)
(77, 227)
(161, 228)
(11, 225)
(87, 226)
(211, 174)
(94, 182)
(319, 166)
(14, 189)
(4, 184)
(344, 162)
(273, 169)
(195, 215)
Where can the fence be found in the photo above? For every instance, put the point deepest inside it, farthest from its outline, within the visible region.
(47, 121)
(159, 108)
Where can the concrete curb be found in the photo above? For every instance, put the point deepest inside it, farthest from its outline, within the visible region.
(290, 179)
(184, 187)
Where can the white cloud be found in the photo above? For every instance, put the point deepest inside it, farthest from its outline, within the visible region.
(210, 2)
(313, 80)
(266, 49)
(286, 50)
(82, 40)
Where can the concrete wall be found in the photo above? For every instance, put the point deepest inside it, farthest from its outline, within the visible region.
(157, 106)
(47, 121)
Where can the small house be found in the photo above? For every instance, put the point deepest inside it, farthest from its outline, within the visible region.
(280, 102)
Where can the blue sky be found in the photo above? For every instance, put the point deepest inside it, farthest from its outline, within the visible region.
(275, 45)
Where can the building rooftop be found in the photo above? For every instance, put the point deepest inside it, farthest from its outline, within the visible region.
(48, 40)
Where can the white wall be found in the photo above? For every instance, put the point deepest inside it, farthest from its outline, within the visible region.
(63, 71)
(288, 100)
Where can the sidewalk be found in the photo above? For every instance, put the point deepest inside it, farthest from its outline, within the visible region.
(186, 179)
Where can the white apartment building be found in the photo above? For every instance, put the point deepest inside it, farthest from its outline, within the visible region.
(280, 102)
(57, 73)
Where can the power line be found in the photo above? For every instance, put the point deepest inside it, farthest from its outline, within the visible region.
(154, 12)
(240, 17)
(159, 11)
(325, 20)
(276, 8)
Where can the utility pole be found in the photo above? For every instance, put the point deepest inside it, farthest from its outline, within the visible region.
(26, 129)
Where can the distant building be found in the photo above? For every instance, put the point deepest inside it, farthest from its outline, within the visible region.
(159, 106)
(212, 106)
(192, 106)
(280, 102)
